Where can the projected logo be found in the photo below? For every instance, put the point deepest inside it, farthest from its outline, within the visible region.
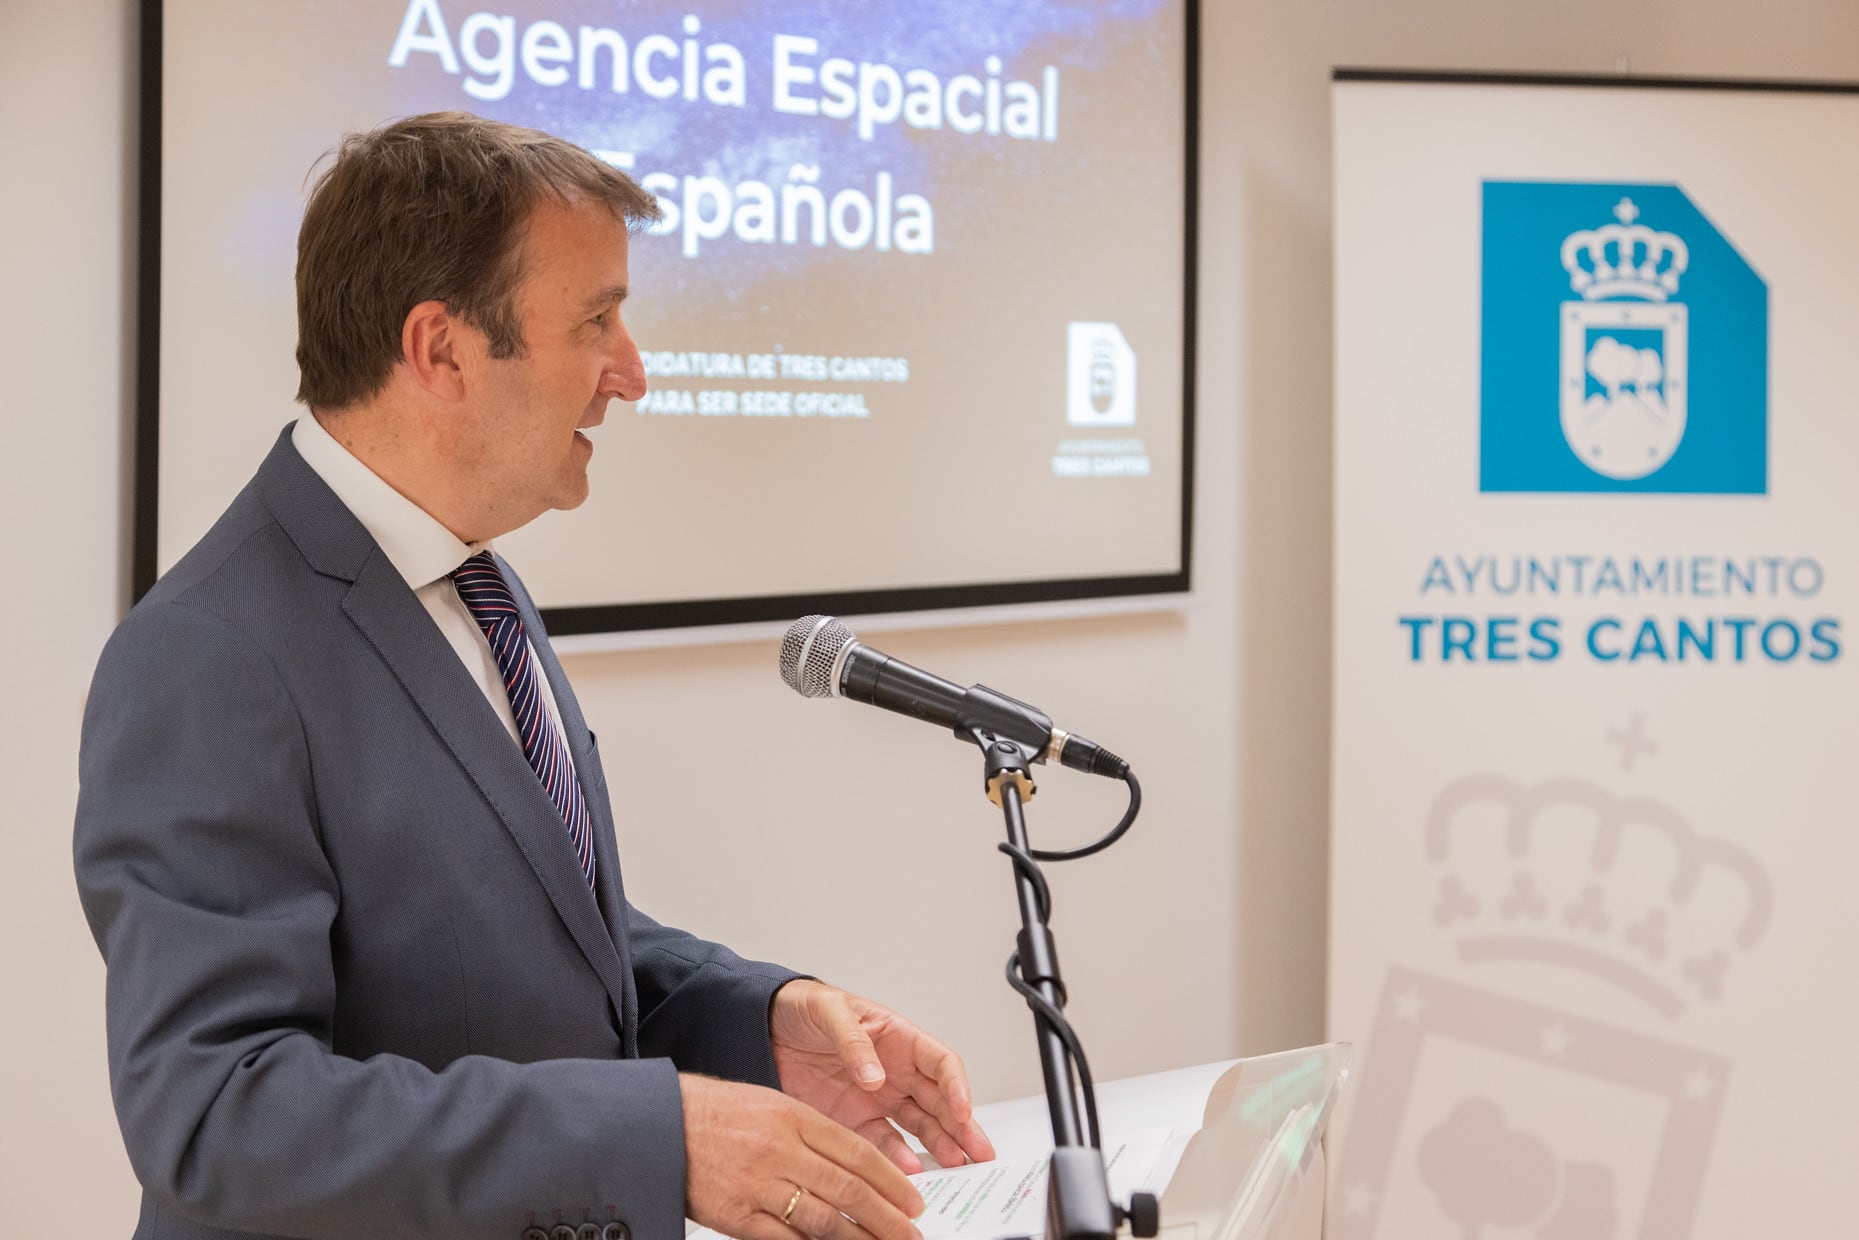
(1100, 379)
(1625, 345)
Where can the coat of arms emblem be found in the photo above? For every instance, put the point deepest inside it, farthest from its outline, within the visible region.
(1624, 346)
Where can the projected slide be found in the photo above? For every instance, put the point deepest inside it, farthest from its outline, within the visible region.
(913, 321)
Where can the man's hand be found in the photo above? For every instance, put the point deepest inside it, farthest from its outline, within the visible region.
(747, 1149)
(865, 1065)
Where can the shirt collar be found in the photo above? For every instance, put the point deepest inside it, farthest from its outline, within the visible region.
(418, 546)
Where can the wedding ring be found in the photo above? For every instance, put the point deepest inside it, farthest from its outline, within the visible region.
(787, 1215)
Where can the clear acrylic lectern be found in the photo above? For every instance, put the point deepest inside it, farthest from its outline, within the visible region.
(1234, 1150)
(1256, 1169)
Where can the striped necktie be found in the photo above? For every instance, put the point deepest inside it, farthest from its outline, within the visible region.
(487, 596)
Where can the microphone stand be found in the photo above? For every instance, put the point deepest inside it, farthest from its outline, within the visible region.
(1078, 1204)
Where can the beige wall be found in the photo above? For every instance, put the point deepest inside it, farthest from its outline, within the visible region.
(1201, 936)
(65, 346)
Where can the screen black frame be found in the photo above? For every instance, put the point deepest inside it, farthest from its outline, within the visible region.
(1646, 81)
(677, 613)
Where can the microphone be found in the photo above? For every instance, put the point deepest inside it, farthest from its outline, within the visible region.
(821, 658)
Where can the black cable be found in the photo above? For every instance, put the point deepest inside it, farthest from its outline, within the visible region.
(1055, 1019)
(1116, 832)
(1023, 862)
(1044, 1010)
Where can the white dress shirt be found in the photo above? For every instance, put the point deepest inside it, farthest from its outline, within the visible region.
(423, 551)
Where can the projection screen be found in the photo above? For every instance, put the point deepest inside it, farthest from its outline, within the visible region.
(917, 321)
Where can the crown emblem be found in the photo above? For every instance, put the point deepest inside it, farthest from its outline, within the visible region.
(1564, 873)
(1626, 259)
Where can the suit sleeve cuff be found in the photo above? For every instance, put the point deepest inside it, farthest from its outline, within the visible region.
(733, 1041)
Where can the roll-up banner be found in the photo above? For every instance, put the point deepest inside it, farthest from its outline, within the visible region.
(1595, 876)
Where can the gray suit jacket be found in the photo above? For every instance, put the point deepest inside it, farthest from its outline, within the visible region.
(357, 985)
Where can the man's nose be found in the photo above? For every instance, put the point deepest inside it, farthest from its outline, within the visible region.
(627, 385)
(625, 377)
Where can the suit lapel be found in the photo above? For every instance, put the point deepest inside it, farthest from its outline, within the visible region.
(380, 604)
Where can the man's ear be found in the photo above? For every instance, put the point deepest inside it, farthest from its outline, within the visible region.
(432, 345)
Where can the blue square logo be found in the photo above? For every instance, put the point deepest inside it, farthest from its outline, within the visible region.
(1625, 345)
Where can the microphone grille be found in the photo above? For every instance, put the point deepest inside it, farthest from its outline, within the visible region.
(810, 651)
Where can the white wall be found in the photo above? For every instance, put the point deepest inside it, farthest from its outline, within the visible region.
(1200, 936)
(66, 244)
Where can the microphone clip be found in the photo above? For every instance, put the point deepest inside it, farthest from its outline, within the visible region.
(1012, 736)
(989, 712)
(1005, 762)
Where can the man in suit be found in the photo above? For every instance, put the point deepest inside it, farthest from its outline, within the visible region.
(343, 835)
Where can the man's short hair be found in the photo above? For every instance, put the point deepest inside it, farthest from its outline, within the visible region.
(430, 208)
